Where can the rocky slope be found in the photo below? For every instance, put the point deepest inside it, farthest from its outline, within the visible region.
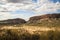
(44, 17)
(47, 19)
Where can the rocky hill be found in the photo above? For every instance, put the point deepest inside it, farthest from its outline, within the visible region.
(13, 21)
(42, 20)
(47, 19)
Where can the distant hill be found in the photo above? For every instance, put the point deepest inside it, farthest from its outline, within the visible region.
(13, 21)
(47, 20)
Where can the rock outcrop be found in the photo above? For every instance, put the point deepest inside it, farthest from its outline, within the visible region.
(43, 17)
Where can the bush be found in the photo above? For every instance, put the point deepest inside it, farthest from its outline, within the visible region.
(35, 37)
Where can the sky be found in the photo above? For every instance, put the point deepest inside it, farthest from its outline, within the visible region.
(25, 9)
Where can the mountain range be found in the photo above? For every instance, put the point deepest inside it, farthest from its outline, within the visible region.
(42, 20)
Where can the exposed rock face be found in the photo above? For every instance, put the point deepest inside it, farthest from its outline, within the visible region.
(13, 21)
(44, 17)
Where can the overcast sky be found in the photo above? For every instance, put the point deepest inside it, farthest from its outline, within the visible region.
(10, 9)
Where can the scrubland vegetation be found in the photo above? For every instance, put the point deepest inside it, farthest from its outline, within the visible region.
(44, 30)
(29, 33)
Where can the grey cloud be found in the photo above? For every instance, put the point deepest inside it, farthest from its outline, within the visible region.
(18, 1)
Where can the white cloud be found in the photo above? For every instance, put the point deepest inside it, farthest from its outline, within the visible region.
(6, 9)
(16, 6)
(41, 7)
(45, 6)
(7, 15)
(4, 16)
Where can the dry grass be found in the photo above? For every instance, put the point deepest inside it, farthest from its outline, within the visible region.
(29, 33)
(31, 29)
